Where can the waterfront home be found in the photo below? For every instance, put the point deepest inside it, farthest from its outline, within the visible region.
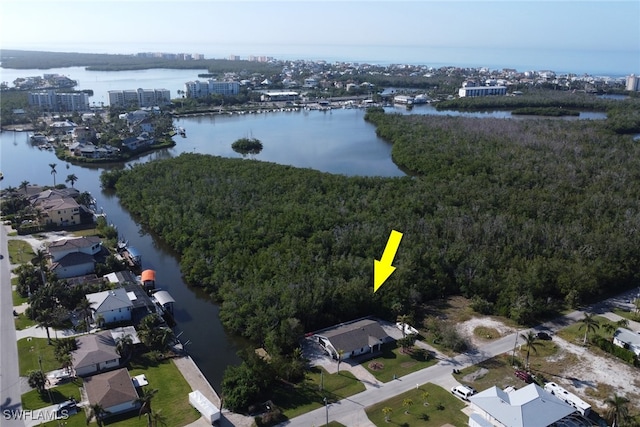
(95, 353)
(83, 134)
(354, 338)
(90, 245)
(61, 212)
(136, 142)
(111, 306)
(62, 127)
(73, 264)
(113, 391)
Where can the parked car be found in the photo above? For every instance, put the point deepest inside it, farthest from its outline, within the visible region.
(544, 335)
(463, 392)
(67, 408)
(524, 376)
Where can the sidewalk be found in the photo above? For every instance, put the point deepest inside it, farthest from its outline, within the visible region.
(197, 381)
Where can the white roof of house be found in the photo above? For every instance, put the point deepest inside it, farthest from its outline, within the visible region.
(627, 336)
(112, 299)
(531, 406)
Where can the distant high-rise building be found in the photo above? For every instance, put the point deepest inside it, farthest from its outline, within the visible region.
(633, 83)
(198, 89)
(139, 98)
(234, 58)
(54, 101)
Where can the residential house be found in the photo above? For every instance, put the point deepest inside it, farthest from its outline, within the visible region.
(136, 142)
(73, 264)
(58, 206)
(113, 391)
(95, 353)
(353, 339)
(90, 245)
(111, 306)
(625, 338)
(530, 406)
(83, 134)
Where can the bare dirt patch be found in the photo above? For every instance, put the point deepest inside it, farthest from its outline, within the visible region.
(468, 328)
(376, 366)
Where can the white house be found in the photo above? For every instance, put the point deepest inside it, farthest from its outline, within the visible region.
(114, 391)
(627, 339)
(91, 245)
(111, 306)
(353, 338)
(73, 265)
(530, 406)
(95, 353)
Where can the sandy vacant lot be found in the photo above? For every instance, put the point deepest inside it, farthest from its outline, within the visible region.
(583, 372)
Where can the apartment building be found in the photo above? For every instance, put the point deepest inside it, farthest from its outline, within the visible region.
(198, 89)
(139, 97)
(51, 100)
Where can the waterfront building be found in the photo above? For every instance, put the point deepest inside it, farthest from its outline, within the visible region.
(51, 100)
(198, 89)
(481, 91)
(633, 83)
(139, 97)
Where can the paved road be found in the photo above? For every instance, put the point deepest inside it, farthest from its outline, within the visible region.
(10, 389)
(350, 411)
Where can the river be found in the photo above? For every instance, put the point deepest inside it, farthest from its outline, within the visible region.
(337, 141)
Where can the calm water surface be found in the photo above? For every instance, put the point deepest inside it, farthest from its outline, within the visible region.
(338, 142)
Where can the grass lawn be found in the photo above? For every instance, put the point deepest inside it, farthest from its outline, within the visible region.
(173, 390)
(31, 349)
(20, 252)
(23, 322)
(393, 361)
(575, 335)
(441, 408)
(35, 400)
(17, 298)
(307, 396)
(629, 315)
(172, 399)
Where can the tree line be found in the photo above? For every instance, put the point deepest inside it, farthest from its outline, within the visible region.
(524, 217)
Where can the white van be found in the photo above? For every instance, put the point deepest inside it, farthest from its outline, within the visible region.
(463, 392)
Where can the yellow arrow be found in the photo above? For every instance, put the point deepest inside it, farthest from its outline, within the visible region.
(382, 269)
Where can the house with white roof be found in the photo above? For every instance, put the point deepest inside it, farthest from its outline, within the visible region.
(627, 339)
(530, 406)
(111, 306)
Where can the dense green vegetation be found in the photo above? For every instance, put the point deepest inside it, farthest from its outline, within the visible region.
(246, 146)
(544, 111)
(523, 215)
(23, 59)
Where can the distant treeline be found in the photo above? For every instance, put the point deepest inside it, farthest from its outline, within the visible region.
(21, 59)
(522, 216)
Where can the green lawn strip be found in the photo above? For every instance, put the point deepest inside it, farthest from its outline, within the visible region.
(31, 349)
(23, 322)
(393, 362)
(173, 392)
(17, 298)
(629, 315)
(61, 393)
(298, 399)
(336, 424)
(442, 408)
(20, 252)
(575, 335)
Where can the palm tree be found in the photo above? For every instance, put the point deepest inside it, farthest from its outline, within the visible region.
(37, 380)
(86, 311)
(617, 409)
(404, 320)
(609, 327)
(590, 324)
(40, 260)
(622, 323)
(24, 185)
(53, 172)
(530, 340)
(72, 179)
(145, 404)
(124, 345)
(425, 396)
(407, 403)
(159, 419)
(387, 413)
(97, 411)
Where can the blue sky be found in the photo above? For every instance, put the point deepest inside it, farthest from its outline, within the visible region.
(312, 27)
